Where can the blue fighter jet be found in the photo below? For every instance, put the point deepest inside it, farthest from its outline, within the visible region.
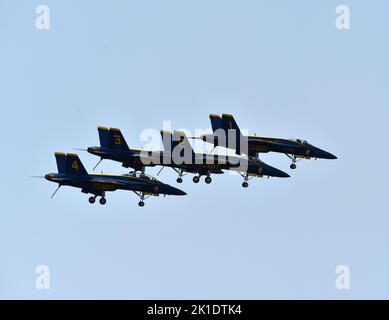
(72, 173)
(178, 155)
(226, 133)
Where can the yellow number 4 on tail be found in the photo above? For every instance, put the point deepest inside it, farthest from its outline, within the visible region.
(75, 165)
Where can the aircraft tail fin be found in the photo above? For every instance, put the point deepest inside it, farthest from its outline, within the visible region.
(216, 122)
(116, 140)
(103, 136)
(229, 123)
(167, 140)
(232, 131)
(112, 138)
(177, 144)
(69, 164)
(180, 139)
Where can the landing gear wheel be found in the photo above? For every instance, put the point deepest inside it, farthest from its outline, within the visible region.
(179, 180)
(208, 180)
(141, 204)
(245, 184)
(92, 200)
(103, 201)
(196, 179)
(293, 166)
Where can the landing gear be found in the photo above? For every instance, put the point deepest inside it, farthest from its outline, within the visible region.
(102, 200)
(142, 197)
(180, 175)
(208, 179)
(294, 160)
(196, 179)
(246, 178)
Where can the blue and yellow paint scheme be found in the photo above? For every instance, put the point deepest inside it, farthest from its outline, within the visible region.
(71, 172)
(178, 155)
(226, 133)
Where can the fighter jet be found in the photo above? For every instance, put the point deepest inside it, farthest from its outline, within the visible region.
(71, 172)
(178, 155)
(226, 133)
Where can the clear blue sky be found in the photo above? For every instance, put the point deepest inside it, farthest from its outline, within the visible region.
(281, 67)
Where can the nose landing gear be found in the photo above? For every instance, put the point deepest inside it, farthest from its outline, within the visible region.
(294, 160)
(180, 174)
(142, 197)
(246, 178)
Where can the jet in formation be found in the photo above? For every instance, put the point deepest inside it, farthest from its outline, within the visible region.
(178, 155)
(71, 172)
(226, 130)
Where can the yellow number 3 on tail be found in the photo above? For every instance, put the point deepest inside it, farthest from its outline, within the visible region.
(75, 165)
(117, 139)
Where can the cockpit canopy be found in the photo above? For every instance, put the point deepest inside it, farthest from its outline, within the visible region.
(141, 175)
(301, 141)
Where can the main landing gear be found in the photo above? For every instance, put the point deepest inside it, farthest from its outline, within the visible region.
(208, 179)
(102, 200)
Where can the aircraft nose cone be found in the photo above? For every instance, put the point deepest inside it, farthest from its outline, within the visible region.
(273, 172)
(180, 192)
(281, 174)
(322, 154)
(173, 191)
